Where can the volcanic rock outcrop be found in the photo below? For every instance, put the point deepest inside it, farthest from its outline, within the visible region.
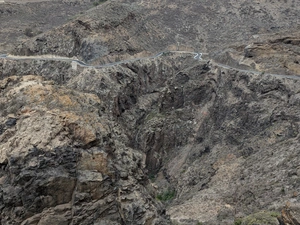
(171, 139)
(277, 55)
(63, 162)
(226, 141)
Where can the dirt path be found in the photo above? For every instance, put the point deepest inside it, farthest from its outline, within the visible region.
(197, 56)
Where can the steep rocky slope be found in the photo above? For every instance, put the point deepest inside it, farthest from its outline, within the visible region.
(162, 140)
(22, 19)
(225, 141)
(62, 162)
(278, 55)
(120, 29)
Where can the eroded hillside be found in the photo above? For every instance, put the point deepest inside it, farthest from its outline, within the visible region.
(169, 139)
(119, 29)
(23, 19)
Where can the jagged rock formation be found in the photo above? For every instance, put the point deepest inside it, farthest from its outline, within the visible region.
(108, 145)
(290, 214)
(226, 141)
(58, 71)
(278, 55)
(63, 162)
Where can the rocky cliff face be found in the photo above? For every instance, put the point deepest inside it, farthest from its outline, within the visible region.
(63, 162)
(278, 55)
(225, 142)
(244, 155)
(161, 140)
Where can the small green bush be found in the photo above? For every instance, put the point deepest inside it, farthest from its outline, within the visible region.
(275, 214)
(152, 177)
(28, 32)
(166, 195)
(238, 221)
(261, 218)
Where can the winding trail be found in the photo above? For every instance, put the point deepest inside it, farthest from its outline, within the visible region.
(197, 56)
(294, 77)
(83, 64)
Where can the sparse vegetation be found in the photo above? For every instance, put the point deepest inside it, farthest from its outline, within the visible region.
(152, 177)
(152, 115)
(275, 214)
(238, 221)
(260, 218)
(31, 33)
(167, 53)
(166, 195)
(98, 2)
(28, 32)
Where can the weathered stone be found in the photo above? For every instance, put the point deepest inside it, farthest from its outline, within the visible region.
(85, 142)
(261, 218)
(290, 214)
(58, 165)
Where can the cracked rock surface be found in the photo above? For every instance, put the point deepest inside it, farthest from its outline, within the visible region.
(60, 163)
(159, 140)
